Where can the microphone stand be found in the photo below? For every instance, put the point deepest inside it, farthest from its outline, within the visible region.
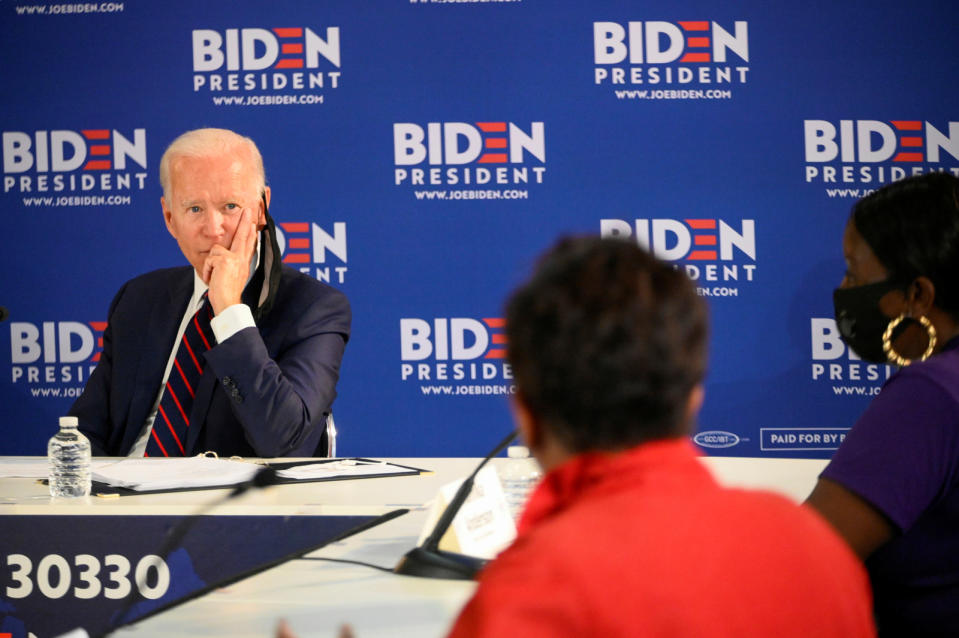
(264, 477)
(428, 560)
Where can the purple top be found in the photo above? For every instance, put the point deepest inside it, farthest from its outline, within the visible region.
(902, 456)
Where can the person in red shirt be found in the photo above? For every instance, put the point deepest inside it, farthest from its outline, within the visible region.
(628, 535)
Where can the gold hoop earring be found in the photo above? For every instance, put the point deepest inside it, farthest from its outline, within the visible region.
(893, 356)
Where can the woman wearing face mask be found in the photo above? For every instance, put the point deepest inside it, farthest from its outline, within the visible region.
(892, 488)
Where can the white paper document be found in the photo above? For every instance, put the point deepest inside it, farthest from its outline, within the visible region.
(145, 475)
(342, 467)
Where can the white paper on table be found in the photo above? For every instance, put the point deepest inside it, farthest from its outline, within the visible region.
(146, 474)
(343, 467)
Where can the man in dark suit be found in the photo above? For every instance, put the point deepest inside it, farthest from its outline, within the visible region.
(235, 353)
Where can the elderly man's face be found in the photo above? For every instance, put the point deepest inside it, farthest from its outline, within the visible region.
(207, 195)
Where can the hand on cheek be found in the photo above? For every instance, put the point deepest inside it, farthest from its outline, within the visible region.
(226, 270)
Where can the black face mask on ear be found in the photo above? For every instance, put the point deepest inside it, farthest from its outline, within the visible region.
(266, 279)
(859, 320)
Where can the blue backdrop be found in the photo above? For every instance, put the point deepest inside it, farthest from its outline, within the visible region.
(422, 153)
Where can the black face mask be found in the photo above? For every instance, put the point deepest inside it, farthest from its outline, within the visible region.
(859, 320)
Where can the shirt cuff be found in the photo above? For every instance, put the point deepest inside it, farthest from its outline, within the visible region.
(231, 320)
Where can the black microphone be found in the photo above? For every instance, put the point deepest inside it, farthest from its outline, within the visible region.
(264, 477)
(428, 560)
(4, 313)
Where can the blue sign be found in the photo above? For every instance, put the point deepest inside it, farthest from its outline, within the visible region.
(100, 572)
(422, 154)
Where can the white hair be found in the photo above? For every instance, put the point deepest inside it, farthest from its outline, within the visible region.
(204, 142)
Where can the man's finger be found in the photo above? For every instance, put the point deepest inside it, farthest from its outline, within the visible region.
(254, 234)
(283, 630)
(241, 238)
(207, 270)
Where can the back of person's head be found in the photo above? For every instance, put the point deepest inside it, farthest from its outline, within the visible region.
(206, 142)
(912, 226)
(606, 344)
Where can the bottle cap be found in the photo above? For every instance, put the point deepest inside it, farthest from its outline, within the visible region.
(517, 452)
(69, 421)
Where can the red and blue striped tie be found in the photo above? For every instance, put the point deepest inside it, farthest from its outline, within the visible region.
(168, 437)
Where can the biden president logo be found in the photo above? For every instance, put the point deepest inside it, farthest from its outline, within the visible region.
(314, 250)
(62, 167)
(458, 356)
(54, 358)
(837, 367)
(479, 160)
(266, 66)
(717, 254)
(656, 59)
(852, 158)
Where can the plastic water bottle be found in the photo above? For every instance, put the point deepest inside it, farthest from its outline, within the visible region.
(69, 454)
(519, 476)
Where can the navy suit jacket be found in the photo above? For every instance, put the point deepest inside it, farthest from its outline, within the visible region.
(264, 392)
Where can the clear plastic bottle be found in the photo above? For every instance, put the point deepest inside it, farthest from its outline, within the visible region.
(69, 455)
(519, 476)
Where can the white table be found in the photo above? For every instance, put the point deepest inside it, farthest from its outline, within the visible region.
(316, 597)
